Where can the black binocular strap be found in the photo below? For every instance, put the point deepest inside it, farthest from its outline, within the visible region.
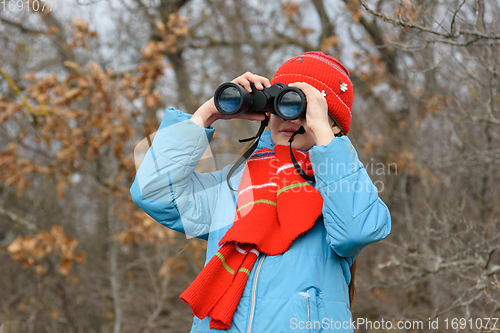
(249, 152)
(301, 172)
(252, 148)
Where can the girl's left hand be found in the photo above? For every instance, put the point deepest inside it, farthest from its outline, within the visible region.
(316, 122)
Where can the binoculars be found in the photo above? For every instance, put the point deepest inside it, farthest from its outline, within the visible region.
(284, 101)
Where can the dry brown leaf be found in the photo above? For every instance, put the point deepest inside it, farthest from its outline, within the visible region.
(29, 243)
(41, 270)
(16, 245)
(78, 22)
(65, 266)
(57, 231)
(73, 65)
(328, 42)
(11, 180)
(53, 30)
(80, 257)
(29, 262)
(67, 246)
(60, 189)
(31, 76)
(72, 93)
(161, 27)
(163, 270)
(126, 237)
(20, 187)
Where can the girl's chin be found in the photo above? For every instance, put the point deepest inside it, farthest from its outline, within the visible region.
(281, 140)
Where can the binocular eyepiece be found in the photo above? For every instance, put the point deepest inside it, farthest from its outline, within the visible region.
(284, 101)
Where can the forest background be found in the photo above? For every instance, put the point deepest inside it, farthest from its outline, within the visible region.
(83, 83)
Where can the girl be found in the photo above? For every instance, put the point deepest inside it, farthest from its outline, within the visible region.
(280, 249)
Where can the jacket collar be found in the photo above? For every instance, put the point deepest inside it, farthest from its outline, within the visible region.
(265, 141)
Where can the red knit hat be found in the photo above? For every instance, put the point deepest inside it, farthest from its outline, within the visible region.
(326, 74)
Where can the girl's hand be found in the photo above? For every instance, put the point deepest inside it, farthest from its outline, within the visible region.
(259, 81)
(208, 113)
(316, 121)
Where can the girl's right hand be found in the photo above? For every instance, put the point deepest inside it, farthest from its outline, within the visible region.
(208, 113)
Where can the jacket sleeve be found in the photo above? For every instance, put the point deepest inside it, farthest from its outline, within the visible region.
(353, 213)
(166, 185)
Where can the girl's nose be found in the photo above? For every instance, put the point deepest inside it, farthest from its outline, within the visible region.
(297, 122)
(289, 121)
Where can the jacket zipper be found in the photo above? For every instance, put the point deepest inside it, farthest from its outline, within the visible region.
(307, 295)
(254, 289)
(308, 313)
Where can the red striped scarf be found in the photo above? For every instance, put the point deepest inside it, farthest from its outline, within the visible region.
(275, 205)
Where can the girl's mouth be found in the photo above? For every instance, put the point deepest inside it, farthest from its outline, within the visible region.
(287, 131)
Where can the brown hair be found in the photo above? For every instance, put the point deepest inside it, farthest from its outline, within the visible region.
(352, 288)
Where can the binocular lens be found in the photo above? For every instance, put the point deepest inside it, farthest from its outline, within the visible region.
(229, 99)
(286, 102)
(290, 104)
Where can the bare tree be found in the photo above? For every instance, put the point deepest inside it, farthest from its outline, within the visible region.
(425, 121)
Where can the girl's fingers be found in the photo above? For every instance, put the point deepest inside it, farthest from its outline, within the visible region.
(258, 81)
(257, 116)
(253, 79)
(263, 81)
(317, 106)
(301, 122)
(307, 89)
(313, 96)
(243, 82)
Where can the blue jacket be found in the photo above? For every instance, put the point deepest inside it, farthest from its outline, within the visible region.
(304, 289)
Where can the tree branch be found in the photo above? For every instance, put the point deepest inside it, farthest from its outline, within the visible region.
(21, 27)
(19, 220)
(451, 35)
(389, 56)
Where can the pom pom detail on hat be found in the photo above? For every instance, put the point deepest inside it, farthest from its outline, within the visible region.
(326, 74)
